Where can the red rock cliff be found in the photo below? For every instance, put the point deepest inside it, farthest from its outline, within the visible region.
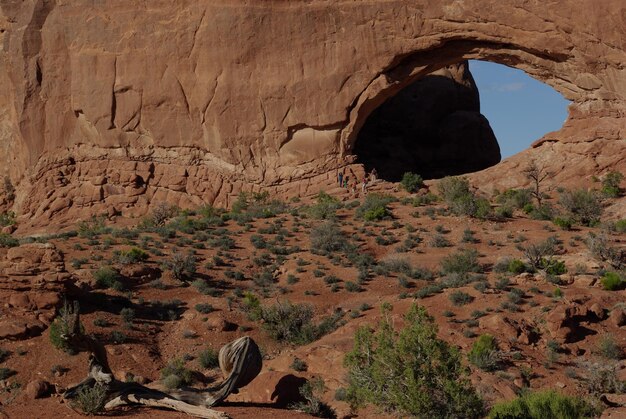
(118, 103)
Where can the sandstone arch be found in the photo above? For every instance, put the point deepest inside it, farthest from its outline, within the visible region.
(202, 99)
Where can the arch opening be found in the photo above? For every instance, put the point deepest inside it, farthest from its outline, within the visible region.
(434, 125)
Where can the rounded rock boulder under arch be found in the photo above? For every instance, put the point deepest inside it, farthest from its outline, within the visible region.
(204, 99)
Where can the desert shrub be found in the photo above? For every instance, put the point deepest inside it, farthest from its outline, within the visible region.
(543, 404)
(611, 183)
(515, 266)
(484, 353)
(563, 223)
(411, 182)
(452, 188)
(90, 399)
(620, 226)
(6, 373)
(181, 265)
(599, 246)
(6, 240)
(293, 323)
(327, 238)
(128, 315)
(127, 257)
(602, 377)
(439, 240)
(584, 207)
(258, 241)
(461, 200)
(462, 262)
(311, 403)
(92, 228)
(543, 212)
(325, 208)
(460, 298)
(504, 211)
(7, 218)
(410, 372)
(374, 207)
(208, 359)
(161, 212)
(553, 266)
(118, 337)
(612, 281)
(352, 286)
(108, 277)
(249, 206)
(176, 375)
(298, 365)
(204, 308)
(609, 348)
(536, 253)
(515, 198)
(62, 328)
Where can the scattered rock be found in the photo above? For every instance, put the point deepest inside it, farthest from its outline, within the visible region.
(618, 317)
(37, 389)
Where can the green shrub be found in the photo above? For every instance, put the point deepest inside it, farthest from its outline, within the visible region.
(411, 182)
(208, 359)
(293, 323)
(374, 207)
(609, 348)
(461, 200)
(515, 198)
(553, 266)
(325, 208)
(327, 239)
(461, 262)
(6, 240)
(484, 353)
(611, 184)
(204, 308)
(108, 277)
(516, 266)
(62, 330)
(460, 298)
(176, 375)
(181, 265)
(410, 372)
(311, 403)
(127, 257)
(563, 223)
(584, 207)
(612, 281)
(7, 219)
(544, 404)
(128, 315)
(620, 226)
(90, 400)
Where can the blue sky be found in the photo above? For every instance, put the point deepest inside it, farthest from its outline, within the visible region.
(519, 108)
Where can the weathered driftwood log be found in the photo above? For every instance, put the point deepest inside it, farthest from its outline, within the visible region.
(239, 360)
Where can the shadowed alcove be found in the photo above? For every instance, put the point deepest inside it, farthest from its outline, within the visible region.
(434, 126)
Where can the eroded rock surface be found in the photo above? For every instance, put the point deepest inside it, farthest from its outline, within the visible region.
(32, 281)
(109, 106)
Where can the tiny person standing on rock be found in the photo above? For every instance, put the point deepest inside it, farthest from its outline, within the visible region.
(346, 179)
(340, 178)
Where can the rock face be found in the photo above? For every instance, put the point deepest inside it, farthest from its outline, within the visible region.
(32, 281)
(109, 106)
(433, 127)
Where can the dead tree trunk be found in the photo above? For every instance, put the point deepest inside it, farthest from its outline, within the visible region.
(240, 361)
